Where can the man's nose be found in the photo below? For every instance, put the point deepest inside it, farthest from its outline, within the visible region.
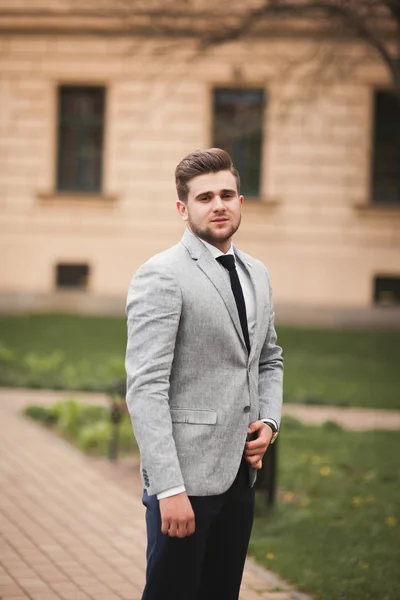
(218, 204)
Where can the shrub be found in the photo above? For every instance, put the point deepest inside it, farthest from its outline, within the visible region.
(332, 426)
(95, 437)
(88, 426)
(127, 441)
(291, 423)
(40, 413)
(67, 414)
(7, 356)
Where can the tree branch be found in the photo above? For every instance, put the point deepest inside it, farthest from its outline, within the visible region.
(355, 15)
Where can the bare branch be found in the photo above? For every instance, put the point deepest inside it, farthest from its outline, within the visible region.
(360, 17)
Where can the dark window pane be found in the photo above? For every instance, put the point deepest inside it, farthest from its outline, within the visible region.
(386, 150)
(72, 276)
(237, 128)
(80, 140)
(387, 290)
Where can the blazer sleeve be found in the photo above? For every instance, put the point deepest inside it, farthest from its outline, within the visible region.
(270, 383)
(153, 310)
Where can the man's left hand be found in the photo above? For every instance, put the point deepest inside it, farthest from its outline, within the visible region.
(255, 450)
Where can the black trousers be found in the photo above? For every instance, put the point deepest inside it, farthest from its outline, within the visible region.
(207, 565)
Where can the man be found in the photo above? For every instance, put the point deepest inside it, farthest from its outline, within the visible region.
(204, 372)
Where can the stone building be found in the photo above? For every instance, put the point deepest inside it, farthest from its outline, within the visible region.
(94, 118)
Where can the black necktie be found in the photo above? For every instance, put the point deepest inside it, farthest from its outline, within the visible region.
(228, 261)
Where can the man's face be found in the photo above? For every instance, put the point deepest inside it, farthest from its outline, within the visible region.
(213, 208)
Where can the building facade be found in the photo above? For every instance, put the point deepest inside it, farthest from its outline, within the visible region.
(94, 121)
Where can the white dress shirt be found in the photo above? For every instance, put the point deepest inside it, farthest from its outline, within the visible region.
(250, 302)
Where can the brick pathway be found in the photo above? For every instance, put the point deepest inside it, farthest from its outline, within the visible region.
(68, 529)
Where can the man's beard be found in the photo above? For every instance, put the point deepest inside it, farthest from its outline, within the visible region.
(210, 236)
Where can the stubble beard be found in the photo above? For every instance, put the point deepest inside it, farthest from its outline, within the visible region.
(210, 236)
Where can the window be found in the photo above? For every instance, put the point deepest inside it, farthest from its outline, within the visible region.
(72, 276)
(238, 129)
(80, 138)
(387, 290)
(386, 149)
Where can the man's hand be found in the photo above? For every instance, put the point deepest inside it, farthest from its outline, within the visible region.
(255, 450)
(177, 516)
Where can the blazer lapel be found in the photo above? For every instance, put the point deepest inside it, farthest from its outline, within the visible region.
(213, 271)
(259, 294)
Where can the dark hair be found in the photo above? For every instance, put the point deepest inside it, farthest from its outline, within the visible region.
(201, 162)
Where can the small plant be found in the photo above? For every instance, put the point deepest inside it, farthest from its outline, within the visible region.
(289, 422)
(87, 426)
(331, 426)
(40, 413)
(94, 438)
(7, 356)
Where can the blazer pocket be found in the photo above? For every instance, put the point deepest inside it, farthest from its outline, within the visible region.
(197, 417)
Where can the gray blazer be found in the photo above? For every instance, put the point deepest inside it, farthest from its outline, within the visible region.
(192, 389)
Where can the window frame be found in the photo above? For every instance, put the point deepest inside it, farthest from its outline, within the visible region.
(251, 86)
(373, 203)
(379, 279)
(80, 191)
(77, 288)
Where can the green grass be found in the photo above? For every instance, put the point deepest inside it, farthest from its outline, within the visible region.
(78, 337)
(342, 367)
(335, 531)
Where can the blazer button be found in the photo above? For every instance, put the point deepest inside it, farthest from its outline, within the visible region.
(246, 409)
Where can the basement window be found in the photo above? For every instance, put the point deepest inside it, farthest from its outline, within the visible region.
(387, 290)
(72, 276)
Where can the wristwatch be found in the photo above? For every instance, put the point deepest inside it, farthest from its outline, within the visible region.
(274, 429)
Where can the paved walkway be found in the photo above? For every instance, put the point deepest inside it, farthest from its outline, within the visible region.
(348, 418)
(68, 529)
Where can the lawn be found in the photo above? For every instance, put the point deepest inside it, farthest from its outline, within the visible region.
(335, 530)
(342, 367)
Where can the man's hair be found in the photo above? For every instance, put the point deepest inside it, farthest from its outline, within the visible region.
(201, 162)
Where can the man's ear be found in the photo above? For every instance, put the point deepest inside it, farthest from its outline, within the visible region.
(182, 209)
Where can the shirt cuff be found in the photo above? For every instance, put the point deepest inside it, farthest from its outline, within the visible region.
(274, 423)
(171, 492)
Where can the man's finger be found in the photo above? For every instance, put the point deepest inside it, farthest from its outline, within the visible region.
(263, 438)
(173, 529)
(256, 444)
(253, 460)
(256, 451)
(164, 526)
(191, 526)
(182, 529)
(256, 426)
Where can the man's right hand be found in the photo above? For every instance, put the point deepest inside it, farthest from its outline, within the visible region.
(177, 516)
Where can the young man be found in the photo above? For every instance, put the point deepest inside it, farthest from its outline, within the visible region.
(204, 373)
